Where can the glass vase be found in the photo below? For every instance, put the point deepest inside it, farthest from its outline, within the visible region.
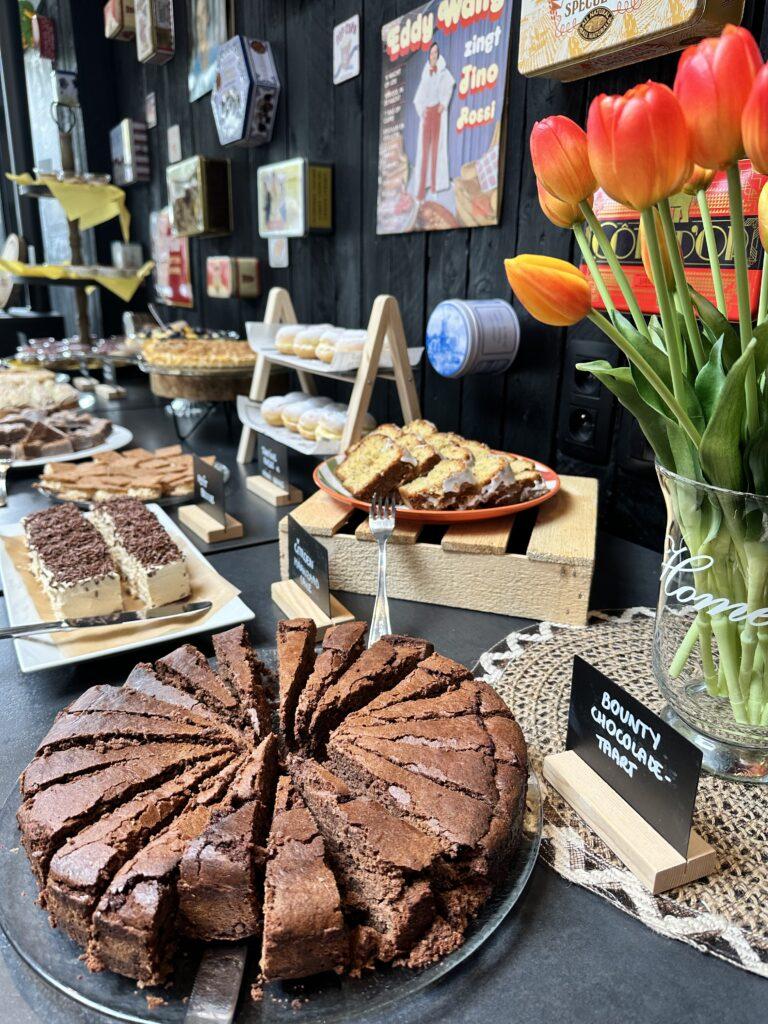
(710, 651)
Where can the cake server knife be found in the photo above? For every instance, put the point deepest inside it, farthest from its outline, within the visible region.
(163, 611)
(217, 985)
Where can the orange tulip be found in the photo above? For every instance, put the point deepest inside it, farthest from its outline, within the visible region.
(666, 262)
(553, 291)
(559, 156)
(754, 122)
(562, 215)
(639, 146)
(700, 179)
(713, 83)
(762, 216)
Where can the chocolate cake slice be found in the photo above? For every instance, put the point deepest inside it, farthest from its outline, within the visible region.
(246, 674)
(133, 931)
(382, 863)
(63, 765)
(296, 639)
(81, 869)
(188, 669)
(434, 676)
(144, 679)
(378, 669)
(342, 645)
(49, 817)
(304, 930)
(221, 872)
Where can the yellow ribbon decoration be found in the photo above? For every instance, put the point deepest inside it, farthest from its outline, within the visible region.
(123, 286)
(86, 202)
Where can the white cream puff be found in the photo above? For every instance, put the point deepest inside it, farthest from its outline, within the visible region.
(306, 341)
(326, 346)
(293, 412)
(285, 337)
(272, 407)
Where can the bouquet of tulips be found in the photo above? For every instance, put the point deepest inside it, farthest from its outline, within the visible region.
(696, 383)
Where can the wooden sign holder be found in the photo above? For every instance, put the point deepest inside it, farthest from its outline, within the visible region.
(385, 323)
(637, 844)
(197, 519)
(295, 603)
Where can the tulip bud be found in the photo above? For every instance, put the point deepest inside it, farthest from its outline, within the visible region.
(560, 160)
(639, 146)
(553, 291)
(562, 215)
(699, 181)
(762, 216)
(666, 262)
(713, 83)
(754, 122)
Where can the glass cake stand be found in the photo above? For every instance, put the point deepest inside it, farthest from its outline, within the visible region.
(324, 999)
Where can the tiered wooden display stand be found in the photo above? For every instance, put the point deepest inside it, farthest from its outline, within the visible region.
(385, 323)
(468, 565)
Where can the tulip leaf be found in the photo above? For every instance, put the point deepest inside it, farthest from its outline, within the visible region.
(760, 334)
(720, 327)
(720, 443)
(684, 454)
(710, 380)
(659, 362)
(619, 381)
(756, 460)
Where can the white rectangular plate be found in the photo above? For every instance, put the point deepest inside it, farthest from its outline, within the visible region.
(37, 653)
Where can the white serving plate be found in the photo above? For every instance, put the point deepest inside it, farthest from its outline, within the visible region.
(37, 653)
(119, 438)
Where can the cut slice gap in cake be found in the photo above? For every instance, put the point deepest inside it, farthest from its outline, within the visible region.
(342, 645)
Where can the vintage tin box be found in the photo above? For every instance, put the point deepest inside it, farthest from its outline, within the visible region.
(119, 20)
(294, 197)
(129, 149)
(155, 40)
(569, 39)
(200, 196)
(229, 277)
(245, 93)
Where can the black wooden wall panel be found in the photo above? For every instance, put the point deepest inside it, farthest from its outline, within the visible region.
(336, 277)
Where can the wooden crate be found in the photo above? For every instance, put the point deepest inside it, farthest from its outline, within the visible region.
(470, 566)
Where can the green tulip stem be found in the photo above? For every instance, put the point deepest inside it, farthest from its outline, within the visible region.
(681, 285)
(649, 373)
(762, 309)
(742, 288)
(714, 259)
(594, 270)
(616, 268)
(668, 312)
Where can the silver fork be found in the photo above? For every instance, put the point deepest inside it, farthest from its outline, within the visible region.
(5, 465)
(381, 520)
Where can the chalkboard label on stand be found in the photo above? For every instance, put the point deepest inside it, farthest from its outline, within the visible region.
(273, 462)
(647, 762)
(209, 489)
(308, 565)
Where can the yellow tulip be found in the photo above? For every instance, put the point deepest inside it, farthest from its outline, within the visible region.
(553, 291)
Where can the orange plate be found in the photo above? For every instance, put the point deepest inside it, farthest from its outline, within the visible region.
(326, 480)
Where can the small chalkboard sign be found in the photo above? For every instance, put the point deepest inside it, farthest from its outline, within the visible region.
(273, 462)
(209, 489)
(647, 762)
(308, 565)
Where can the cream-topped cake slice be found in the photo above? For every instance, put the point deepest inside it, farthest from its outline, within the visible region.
(151, 563)
(72, 563)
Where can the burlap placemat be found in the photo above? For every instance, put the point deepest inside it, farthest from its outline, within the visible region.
(725, 915)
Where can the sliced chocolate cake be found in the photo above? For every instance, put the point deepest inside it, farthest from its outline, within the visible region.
(81, 869)
(342, 645)
(378, 669)
(188, 669)
(296, 639)
(383, 864)
(304, 929)
(221, 872)
(149, 812)
(246, 675)
(133, 930)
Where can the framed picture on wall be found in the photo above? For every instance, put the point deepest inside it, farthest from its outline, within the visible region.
(210, 25)
(172, 274)
(441, 128)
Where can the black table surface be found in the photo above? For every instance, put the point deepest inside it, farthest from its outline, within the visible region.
(563, 954)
